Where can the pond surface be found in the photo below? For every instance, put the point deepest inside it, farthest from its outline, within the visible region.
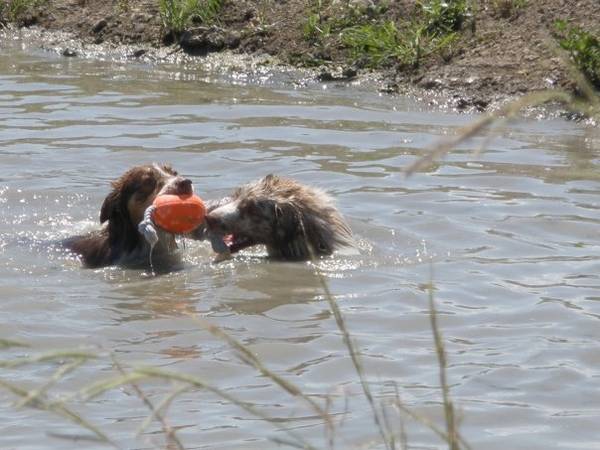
(510, 237)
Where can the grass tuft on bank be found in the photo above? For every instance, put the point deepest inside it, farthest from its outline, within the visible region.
(374, 41)
(178, 15)
(15, 10)
(583, 47)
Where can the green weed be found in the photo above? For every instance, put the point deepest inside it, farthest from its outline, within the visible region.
(381, 45)
(444, 16)
(15, 10)
(377, 44)
(315, 29)
(177, 15)
(328, 19)
(584, 49)
(208, 10)
(376, 41)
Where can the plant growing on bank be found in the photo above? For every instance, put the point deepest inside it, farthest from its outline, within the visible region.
(374, 40)
(444, 16)
(380, 44)
(318, 27)
(176, 15)
(583, 48)
(15, 10)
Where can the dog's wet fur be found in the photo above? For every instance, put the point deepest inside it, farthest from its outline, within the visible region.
(293, 221)
(119, 241)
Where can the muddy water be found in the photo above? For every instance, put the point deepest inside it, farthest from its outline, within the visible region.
(512, 234)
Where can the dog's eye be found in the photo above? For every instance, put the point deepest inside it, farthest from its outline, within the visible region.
(170, 170)
(248, 207)
(148, 183)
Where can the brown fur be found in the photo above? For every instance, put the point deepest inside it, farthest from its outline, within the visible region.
(293, 221)
(123, 209)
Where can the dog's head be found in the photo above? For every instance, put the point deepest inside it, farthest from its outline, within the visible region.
(135, 191)
(292, 220)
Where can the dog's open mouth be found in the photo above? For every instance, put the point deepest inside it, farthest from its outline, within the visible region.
(231, 243)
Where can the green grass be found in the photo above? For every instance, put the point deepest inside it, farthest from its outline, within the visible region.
(377, 45)
(316, 29)
(326, 19)
(444, 16)
(584, 49)
(177, 15)
(375, 41)
(15, 10)
(384, 44)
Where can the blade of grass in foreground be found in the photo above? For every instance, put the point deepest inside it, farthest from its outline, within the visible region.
(55, 378)
(465, 133)
(451, 429)
(58, 408)
(388, 440)
(249, 358)
(151, 372)
(9, 343)
(143, 373)
(51, 356)
(169, 432)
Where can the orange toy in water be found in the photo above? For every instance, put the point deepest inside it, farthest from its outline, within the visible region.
(178, 213)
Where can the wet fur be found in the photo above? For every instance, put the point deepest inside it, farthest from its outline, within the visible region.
(293, 221)
(119, 241)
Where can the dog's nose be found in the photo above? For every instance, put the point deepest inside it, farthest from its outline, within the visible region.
(184, 186)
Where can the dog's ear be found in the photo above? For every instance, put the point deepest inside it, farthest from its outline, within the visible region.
(270, 180)
(292, 236)
(286, 215)
(110, 207)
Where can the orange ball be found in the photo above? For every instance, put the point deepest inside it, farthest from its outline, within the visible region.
(178, 214)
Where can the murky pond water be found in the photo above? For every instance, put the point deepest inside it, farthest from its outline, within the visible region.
(512, 234)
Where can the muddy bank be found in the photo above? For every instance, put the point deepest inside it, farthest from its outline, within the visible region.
(503, 49)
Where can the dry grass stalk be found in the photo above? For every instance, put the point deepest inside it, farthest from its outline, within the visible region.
(63, 370)
(145, 373)
(508, 112)
(9, 343)
(59, 408)
(150, 372)
(249, 358)
(45, 357)
(384, 433)
(168, 431)
(451, 427)
(162, 406)
(99, 387)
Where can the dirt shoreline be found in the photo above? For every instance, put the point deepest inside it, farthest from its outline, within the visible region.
(500, 55)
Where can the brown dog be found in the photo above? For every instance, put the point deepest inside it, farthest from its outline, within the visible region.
(119, 242)
(293, 221)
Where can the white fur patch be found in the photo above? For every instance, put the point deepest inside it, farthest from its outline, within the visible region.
(161, 171)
